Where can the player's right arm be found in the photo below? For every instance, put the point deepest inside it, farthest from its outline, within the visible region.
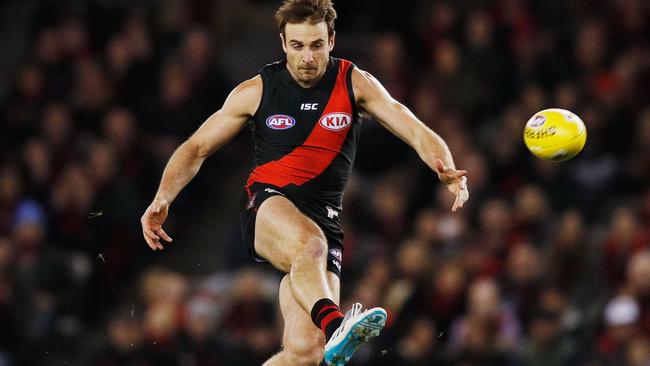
(186, 161)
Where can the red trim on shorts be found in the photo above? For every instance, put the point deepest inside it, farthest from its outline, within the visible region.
(318, 151)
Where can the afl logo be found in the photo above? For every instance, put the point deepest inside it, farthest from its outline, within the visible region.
(336, 253)
(537, 121)
(336, 121)
(280, 122)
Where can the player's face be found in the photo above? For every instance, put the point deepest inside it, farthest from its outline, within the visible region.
(308, 49)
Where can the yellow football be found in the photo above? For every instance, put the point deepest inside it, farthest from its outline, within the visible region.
(555, 134)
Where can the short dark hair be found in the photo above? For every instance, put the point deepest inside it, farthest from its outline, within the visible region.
(313, 11)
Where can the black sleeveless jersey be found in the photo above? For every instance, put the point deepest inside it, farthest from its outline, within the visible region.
(306, 139)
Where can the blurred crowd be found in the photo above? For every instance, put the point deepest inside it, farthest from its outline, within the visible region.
(548, 264)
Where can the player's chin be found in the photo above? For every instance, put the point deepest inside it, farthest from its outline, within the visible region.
(306, 78)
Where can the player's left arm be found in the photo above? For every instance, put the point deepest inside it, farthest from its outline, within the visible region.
(372, 97)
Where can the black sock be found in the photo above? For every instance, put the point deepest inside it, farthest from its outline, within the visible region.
(327, 316)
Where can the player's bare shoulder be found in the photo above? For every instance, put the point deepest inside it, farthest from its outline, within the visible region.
(245, 97)
(365, 86)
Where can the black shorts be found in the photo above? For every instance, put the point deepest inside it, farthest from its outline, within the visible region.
(325, 216)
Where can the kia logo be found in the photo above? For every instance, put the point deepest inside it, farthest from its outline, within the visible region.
(280, 122)
(336, 121)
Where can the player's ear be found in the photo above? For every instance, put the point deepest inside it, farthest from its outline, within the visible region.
(331, 41)
(284, 45)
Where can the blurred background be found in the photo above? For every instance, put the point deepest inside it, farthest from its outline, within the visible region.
(547, 264)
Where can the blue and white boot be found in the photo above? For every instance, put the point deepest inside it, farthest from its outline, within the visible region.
(357, 327)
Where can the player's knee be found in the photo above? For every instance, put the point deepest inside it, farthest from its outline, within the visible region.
(305, 355)
(313, 244)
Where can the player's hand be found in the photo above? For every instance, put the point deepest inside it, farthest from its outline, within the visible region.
(152, 221)
(456, 182)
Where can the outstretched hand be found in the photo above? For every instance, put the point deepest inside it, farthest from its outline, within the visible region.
(152, 221)
(456, 182)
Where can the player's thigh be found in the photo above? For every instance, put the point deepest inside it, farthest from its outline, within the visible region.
(301, 338)
(282, 232)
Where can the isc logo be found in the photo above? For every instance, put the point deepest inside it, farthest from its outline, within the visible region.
(335, 121)
(309, 106)
(280, 122)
